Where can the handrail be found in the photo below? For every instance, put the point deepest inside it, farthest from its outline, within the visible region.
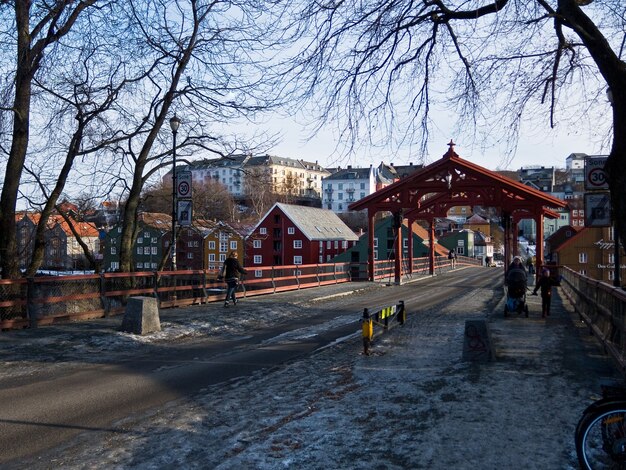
(601, 306)
(48, 299)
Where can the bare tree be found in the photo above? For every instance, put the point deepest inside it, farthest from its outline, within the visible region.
(206, 62)
(383, 65)
(35, 29)
(259, 190)
(211, 200)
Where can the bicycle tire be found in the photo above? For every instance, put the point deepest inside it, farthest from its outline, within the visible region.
(601, 438)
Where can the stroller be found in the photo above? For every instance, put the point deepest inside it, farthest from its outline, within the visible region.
(516, 292)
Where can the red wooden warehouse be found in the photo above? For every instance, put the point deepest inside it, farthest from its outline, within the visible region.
(290, 234)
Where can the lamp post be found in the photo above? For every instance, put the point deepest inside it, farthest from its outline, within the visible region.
(174, 124)
(616, 264)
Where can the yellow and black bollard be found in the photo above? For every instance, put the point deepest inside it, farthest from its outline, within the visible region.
(368, 331)
(401, 313)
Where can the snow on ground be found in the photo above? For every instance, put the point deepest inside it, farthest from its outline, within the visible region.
(412, 404)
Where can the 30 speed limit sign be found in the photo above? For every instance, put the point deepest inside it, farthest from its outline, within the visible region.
(183, 185)
(595, 176)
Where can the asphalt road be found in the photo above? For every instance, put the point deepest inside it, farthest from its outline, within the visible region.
(42, 410)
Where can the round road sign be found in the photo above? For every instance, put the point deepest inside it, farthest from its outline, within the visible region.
(597, 177)
(183, 188)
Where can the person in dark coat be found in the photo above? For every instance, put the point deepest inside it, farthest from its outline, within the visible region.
(230, 273)
(545, 283)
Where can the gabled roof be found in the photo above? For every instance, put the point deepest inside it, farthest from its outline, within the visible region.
(349, 173)
(452, 181)
(155, 220)
(84, 229)
(477, 220)
(562, 235)
(423, 234)
(314, 223)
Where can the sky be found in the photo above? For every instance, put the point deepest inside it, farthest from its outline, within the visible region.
(544, 148)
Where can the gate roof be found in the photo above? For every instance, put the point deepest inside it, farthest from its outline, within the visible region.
(452, 181)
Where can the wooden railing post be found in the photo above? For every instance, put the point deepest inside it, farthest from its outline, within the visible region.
(31, 309)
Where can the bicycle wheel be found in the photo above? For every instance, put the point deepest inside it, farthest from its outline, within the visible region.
(601, 438)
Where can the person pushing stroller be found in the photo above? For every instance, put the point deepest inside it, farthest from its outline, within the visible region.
(516, 286)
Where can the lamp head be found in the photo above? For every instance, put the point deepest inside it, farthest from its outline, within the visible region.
(174, 123)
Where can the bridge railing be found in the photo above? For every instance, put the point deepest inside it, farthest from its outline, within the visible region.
(48, 299)
(602, 307)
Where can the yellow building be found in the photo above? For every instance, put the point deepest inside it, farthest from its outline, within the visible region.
(591, 252)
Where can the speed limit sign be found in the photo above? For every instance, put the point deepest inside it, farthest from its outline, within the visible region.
(183, 185)
(595, 176)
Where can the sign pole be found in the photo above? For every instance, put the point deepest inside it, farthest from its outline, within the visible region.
(616, 264)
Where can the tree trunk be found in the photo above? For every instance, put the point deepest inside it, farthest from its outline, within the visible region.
(9, 259)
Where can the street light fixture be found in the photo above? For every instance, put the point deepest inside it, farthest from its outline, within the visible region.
(174, 125)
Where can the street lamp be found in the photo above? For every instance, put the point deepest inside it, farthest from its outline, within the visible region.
(174, 125)
(616, 234)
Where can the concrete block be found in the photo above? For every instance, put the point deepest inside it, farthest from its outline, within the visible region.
(141, 316)
(477, 344)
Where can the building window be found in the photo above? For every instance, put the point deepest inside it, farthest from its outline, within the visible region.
(297, 244)
(113, 250)
(256, 243)
(328, 245)
(212, 245)
(153, 240)
(344, 244)
(115, 265)
(233, 245)
(222, 257)
(405, 243)
(582, 257)
(139, 250)
(460, 250)
(336, 244)
(258, 273)
(139, 240)
(297, 260)
(611, 258)
(320, 259)
(375, 242)
(223, 247)
(583, 272)
(258, 259)
(146, 250)
(611, 275)
(212, 257)
(154, 250)
(190, 255)
(291, 230)
(139, 265)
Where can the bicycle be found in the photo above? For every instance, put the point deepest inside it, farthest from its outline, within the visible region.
(601, 432)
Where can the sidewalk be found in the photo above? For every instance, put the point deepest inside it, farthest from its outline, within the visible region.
(412, 404)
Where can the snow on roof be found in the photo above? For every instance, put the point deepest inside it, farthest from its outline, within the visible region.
(317, 224)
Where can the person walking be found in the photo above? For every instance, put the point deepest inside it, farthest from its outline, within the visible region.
(230, 273)
(545, 283)
(452, 258)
